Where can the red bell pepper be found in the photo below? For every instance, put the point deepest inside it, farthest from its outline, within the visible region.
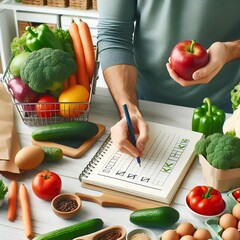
(205, 200)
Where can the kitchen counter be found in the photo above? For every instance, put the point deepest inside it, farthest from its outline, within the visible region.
(102, 111)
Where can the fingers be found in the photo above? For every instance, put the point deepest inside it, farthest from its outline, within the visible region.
(120, 136)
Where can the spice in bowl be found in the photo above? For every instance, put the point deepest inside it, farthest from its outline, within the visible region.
(111, 235)
(66, 205)
(141, 234)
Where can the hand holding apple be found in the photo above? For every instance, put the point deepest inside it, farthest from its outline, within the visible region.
(187, 57)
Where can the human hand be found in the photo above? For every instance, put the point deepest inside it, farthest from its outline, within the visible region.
(121, 138)
(217, 58)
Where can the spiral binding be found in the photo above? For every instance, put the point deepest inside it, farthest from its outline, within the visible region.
(96, 158)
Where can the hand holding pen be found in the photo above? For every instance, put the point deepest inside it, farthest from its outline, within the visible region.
(130, 129)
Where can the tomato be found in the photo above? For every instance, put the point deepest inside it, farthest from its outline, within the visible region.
(46, 185)
(73, 101)
(50, 109)
(236, 194)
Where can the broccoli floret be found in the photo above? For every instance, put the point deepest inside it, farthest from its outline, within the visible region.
(65, 39)
(223, 152)
(47, 69)
(202, 144)
(18, 45)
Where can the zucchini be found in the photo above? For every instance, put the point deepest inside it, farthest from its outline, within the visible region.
(65, 131)
(73, 231)
(52, 154)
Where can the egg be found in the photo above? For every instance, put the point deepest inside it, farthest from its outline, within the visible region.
(29, 157)
(236, 211)
(230, 234)
(202, 234)
(227, 220)
(185, 228)
(188, 237)
(170, 235)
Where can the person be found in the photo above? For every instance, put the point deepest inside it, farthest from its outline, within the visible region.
(135, 40)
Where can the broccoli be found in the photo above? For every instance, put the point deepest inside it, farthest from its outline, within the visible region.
(202, 144)
(47, 69)
(65, 39)
(3, 189)
(18, 45)
(221, 151)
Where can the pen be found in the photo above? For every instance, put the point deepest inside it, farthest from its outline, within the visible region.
(130, 129)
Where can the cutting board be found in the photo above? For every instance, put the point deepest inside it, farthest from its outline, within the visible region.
(73, 148)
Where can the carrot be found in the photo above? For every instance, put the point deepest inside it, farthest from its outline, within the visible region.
(26, 211)
(79, 55)
(88, 48)
(12, 200)
(72, 80)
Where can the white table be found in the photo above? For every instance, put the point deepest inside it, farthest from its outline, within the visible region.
(102, 111)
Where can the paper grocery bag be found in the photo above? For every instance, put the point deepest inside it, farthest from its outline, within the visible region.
(9, 141)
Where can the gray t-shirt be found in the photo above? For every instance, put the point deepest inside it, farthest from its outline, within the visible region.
(143, 33)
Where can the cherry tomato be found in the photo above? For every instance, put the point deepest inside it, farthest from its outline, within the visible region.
(47, 107)
(46, 185)
(236, 194)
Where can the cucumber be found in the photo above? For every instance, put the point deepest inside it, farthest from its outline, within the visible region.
(159, 217)
(65, 131)
(73, 231)
(52, 154)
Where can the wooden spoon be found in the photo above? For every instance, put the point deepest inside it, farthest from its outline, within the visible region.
(101, 233)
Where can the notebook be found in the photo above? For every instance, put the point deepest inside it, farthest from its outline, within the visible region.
(165, 162)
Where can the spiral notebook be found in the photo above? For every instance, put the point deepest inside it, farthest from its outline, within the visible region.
(165, 161)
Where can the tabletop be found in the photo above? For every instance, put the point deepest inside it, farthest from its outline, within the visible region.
(103, 111)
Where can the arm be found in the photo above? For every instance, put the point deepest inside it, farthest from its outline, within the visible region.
(115, 44)
(220, 54)
(123, 90)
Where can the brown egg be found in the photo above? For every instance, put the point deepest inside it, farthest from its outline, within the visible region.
(236, 211)
(202, 234)
(170, 235)
(227, 220)
(185, 228)
(230, 234)
(188, 237)
(29, 157)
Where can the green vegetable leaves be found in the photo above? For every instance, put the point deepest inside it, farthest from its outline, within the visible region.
(235, 96)
(3, 189)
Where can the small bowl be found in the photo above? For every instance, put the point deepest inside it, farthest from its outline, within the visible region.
(202, 217)
(148, 232)
(66, 214)
(103, 232)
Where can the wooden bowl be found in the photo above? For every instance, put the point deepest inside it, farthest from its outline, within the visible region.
(101, 233)
(68, 197)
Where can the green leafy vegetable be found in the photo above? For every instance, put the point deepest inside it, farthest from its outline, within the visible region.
(3, 189)
(18, 45)
(235, 97)
(65, 39)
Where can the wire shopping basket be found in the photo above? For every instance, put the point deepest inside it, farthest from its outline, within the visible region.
(74, 111)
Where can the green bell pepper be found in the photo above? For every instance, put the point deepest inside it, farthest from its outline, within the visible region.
(41, 37)
(208, 118)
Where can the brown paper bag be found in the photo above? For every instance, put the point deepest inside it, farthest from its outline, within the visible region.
(9, 141)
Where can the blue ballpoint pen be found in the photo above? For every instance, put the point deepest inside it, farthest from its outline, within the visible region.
(130, 129)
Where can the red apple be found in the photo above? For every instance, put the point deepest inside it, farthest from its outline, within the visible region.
(187, 57)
